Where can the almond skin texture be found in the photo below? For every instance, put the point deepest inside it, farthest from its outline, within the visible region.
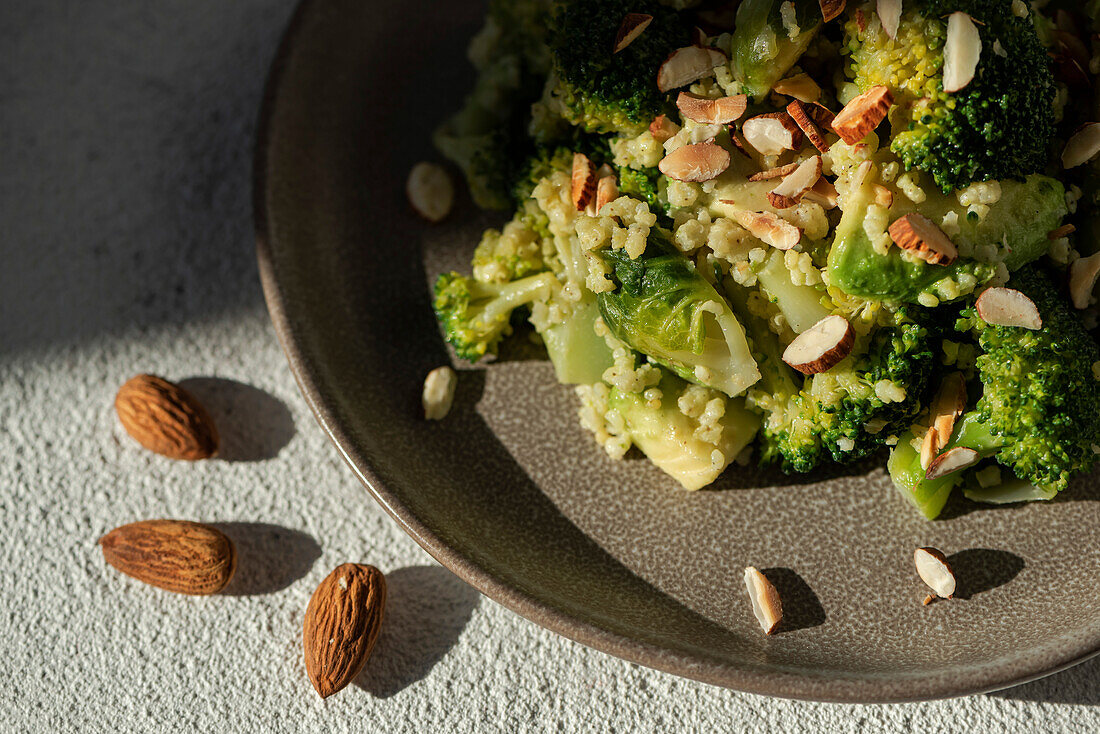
(177, 555)
(341, 625)
(166, 419)
(863, 114)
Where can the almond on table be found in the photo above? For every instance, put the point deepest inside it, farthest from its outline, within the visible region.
(166, 419)
(175, 555)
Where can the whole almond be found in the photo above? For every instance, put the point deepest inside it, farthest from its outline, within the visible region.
(165, 418)
(177, 555)
(342, 624)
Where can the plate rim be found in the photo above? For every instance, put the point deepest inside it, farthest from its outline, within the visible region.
(994, 676)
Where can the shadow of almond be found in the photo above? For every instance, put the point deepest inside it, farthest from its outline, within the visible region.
(978, 570)
(801, 607)
(269, 557)
(427, 607)
(252, 424)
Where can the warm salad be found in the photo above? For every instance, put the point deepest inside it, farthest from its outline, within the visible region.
(797, 232)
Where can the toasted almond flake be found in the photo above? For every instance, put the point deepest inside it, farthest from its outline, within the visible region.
(823, 193)
(430, 191)
(687, 65)
(831, 9)
(920, 234)
(861, 20)
(929, 447)
(711, 111)
(933, 569)
(800, 86)
(791, 189)
(1064, 231)
(632, 26)
(1008, 307)
(802, 117)
(778, 172)
(863, 114)
(889, 14)
(1082, 146)
(663, 128)
(821, 115)
(606, 191)
(766, 606)
(772, 133)
(767, 227)
(951, 461)
(1082, 279)
(439, 393)
(698, 163)
(584, 181)
(947, 406)
(961, 52)
(822, 346)
(884, 197)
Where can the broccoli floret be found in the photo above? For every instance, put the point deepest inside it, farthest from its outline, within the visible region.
(642, 183)
(475, 316)
(509, 254)
(1039, 413)
(768, 38)
(606, 92)
(999, 126)
(847, 412)
(1040, 405)
(487, 138)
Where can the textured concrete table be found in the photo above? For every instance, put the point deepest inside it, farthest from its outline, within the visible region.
(125, 142)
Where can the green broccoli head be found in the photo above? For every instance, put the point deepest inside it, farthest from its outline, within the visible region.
(999, 126)
(1040, 405)
(847, 412)
(609, 92)
(475, 316)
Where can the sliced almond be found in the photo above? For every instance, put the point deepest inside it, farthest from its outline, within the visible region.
(773, 133)
(800, 86)
(822, 346)
(1082, 279)
(861, 20)
(961, 52)
(790, 190)
(778, 172)
(951, 461)
(821, 115)
(430, 191)
(768, 228)
(1008, 307)
(947, 406)
(889, 14)
(823, 193)
(928, 599)
(663, 128)
(698, 37)
(920, 234)
(1064, 231)
(632, 26)
(711, 111)
(606, 192)
(863, 114)
(801, 116)
(884, 197)
(933, 569)
(687, 65)
(766, 606)
(1082, 146)
(929, 447)
(584, 181)
(698, 163)
(831, 9)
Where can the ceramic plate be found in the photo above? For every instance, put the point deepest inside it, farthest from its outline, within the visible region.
(516, 498)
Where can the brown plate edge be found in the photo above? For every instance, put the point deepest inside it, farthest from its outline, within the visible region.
(831, 689)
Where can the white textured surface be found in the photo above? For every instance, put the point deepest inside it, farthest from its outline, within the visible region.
(125, 143)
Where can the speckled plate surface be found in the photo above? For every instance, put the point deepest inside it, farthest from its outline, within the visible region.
(514, 496)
